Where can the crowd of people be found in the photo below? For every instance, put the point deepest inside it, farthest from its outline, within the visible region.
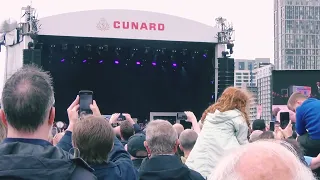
(222, 145)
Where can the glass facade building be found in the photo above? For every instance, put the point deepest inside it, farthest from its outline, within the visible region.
(297, 34)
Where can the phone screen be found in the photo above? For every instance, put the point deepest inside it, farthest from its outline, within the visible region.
(284, 119)
(181, 116)
(85, 101)
(271, 126)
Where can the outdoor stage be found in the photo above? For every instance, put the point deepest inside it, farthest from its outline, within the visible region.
(134, 61)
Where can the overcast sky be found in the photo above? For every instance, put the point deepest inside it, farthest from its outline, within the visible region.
(252, 19)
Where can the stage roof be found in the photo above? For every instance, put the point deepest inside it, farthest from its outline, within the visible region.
(127, 24)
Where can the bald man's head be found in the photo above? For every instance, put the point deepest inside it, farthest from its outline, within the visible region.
(179, 128)
(245, 163)
(188, 139)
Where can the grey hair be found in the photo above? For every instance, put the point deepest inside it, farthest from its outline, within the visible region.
(188, 138)
(227, 167)
(161, 137)
(27, 98)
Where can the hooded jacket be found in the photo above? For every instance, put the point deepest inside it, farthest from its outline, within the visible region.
(20, 159)
(166, 167)
(221, 132)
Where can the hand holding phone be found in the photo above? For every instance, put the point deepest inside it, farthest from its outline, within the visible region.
(85, 100)
(272, 126)
(284, 119)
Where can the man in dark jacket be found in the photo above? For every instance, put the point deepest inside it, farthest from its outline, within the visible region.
(28, 113)
(162, 144)
(96, 141)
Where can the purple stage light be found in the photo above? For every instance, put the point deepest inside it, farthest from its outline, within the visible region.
(116, 62)
(138, 63)
(174, 65)
(204, 55)
(154, 64)
(62, 60)
(84, 61)
(101, 61)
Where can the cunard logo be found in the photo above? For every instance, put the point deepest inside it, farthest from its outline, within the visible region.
(103, 25)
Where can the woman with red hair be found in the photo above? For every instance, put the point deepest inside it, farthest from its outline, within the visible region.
(225, 127)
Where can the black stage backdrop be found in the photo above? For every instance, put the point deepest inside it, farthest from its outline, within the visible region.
(283, 79)
(134, 89)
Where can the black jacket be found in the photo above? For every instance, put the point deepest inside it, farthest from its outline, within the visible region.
(166, 167)
(38, 160)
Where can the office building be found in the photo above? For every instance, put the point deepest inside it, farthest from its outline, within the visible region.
(254, 102)
(264, 86)
(244, 71)
(296, 34)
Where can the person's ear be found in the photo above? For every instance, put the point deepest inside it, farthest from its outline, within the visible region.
(181, 148)
(147, 147)
(3, 118)
(52, 115)
(176, 146)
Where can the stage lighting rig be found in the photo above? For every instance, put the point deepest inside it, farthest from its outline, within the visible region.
(226, 35)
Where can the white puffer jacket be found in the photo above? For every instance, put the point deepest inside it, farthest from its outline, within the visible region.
(221, 132)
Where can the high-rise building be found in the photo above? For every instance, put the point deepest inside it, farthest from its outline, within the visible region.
(297, 34)
(245, 77)
(245, 71)
(264, 85)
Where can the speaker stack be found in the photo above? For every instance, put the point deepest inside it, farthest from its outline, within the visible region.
(225, 74)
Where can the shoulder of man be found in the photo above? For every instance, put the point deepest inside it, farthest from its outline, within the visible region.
(82, 171)
(194, 175)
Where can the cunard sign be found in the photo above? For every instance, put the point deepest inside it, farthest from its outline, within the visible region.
(103, 25)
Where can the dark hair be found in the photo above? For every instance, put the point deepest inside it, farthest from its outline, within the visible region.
(94, 137)
(298, 149)
(267, 135)
(126, 130)
(27, 98)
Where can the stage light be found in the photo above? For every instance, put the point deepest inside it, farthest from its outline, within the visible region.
(146, 51)
(133, 52)
(88, 47)
(138, 63)
(101, 61)
(205, 54)
(184, 52)
(174, 65)
(105, 48)
(76, 49)
(163, 51)
(154, 63)
(51, 48)
(84, 61)
(194, 54)
(64, 47)
(116, 62)
(62, 60)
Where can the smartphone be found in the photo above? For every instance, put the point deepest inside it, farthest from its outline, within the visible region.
(181, 116)
(272, 126)
(284, 119)
(121, 117)
(86, 98)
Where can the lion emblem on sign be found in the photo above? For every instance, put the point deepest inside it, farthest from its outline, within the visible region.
(103, 25)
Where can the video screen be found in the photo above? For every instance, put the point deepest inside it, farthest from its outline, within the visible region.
(286, 82)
